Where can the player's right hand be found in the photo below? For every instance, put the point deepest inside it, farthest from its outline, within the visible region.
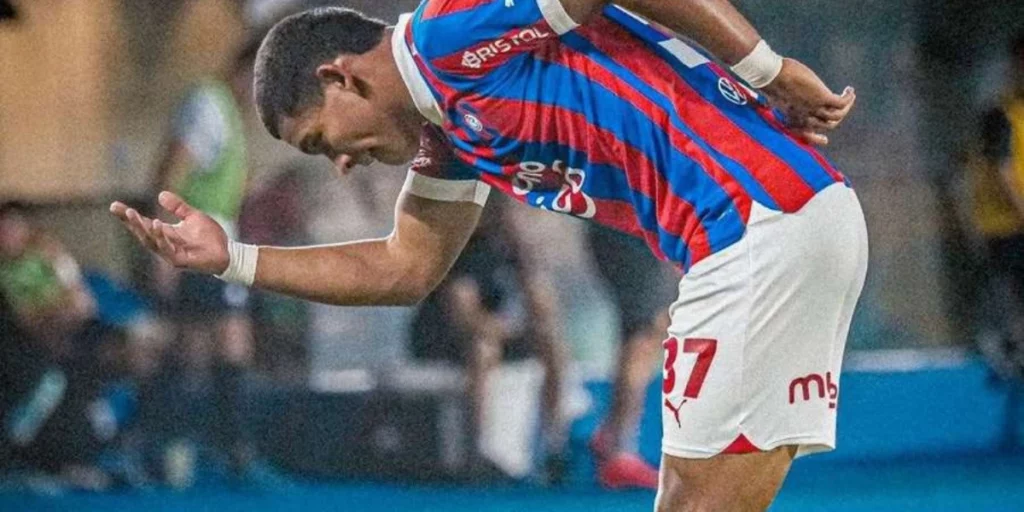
(810, 107)
(196, 243)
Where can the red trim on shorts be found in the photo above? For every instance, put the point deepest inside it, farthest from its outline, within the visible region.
(740, 446)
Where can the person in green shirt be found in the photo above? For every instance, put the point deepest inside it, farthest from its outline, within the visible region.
(205, 160)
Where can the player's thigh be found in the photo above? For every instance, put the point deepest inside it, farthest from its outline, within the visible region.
(747, 482)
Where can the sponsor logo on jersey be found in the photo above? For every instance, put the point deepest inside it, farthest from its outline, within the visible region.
(570, 198)
(477, 57)
(730, 92)
(822, 385)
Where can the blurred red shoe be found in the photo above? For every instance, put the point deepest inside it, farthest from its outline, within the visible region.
(626, 470)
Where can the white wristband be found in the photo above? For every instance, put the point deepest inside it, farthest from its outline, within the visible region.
(241, 263)
(760, 66)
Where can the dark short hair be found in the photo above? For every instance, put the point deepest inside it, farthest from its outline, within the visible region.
(285, 73)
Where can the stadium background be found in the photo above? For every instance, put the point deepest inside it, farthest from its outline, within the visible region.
(86, 87)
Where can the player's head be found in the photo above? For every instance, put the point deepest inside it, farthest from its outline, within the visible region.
(325, 82)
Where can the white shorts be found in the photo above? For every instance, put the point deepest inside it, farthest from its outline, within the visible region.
(756, 342)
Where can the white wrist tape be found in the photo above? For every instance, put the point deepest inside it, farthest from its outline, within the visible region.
(760, 66)
(241, 263)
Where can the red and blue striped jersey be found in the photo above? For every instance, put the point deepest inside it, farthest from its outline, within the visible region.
(612, 120)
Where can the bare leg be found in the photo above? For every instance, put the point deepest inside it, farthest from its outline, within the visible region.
(553, 356)
(741, 483)
(484, 334)
(485, 354)
(636, 363)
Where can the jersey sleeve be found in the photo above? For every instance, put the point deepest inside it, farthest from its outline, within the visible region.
(438, 174)
(473, 37)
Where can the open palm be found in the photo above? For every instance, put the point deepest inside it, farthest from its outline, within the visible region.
(196, 242)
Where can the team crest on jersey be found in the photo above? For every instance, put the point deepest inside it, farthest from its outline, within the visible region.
(473, 123)
(730, 92)
(570, 197)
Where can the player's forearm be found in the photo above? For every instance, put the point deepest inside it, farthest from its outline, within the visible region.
(364, 273)
(714, 24)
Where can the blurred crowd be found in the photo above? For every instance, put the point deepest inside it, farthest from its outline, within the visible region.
(151, 383)
(106, 383)
(994, 191)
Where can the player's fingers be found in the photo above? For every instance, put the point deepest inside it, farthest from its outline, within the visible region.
(130, 221)
(172, 234)
(849, 105)
(168, 249)
(118, 209)
(819, 125)
(840, 101)
(141, 221)
(830, 114)
(145, 226)
(175, 204)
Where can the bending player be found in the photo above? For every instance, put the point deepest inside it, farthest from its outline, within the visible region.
(579, 107)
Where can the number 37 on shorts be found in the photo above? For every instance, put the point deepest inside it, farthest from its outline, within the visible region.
(704, 349)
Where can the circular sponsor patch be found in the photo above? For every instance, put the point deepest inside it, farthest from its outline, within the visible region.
(729, 91)
(473, 123)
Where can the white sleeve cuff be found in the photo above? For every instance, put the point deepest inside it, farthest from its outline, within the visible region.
(557, 18)
(452, 191)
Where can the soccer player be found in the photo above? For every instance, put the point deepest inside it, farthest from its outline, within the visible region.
(579, 107)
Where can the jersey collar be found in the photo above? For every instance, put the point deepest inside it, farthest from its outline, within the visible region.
(414, 81)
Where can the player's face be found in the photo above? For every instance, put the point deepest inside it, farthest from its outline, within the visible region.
(348, 129)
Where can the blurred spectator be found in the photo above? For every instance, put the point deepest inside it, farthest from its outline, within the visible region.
(275, 214)
(493, 304)
(51, 372)
(642, 289)
(204, 161)
(998, 204)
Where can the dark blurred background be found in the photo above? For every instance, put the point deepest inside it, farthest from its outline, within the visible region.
(316, 401)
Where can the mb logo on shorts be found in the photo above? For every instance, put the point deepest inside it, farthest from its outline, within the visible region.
(821, 385)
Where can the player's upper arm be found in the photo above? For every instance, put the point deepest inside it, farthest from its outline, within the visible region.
(472, 37)
(438, 209)
(430, 234)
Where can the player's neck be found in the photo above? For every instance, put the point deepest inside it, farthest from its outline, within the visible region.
(389, 77)
(401, 105)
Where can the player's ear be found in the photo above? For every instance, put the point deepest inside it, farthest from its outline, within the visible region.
(336, 73)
